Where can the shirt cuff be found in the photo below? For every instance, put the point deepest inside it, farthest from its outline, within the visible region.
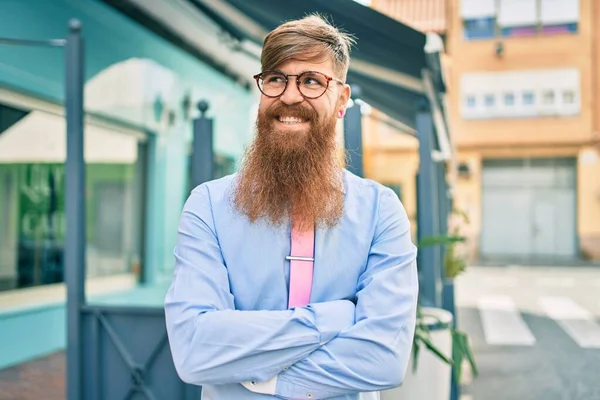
(266, 387)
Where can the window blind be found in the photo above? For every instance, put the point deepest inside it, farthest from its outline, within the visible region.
(476, 9)
(559, 11)
(517, 13)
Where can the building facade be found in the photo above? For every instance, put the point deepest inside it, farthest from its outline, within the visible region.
(140, 101)
(523, 102)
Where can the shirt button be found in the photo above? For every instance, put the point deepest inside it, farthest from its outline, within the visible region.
(285, 367)
(309, 395)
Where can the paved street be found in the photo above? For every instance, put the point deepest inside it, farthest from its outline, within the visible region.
(535, 331)
(41, 379)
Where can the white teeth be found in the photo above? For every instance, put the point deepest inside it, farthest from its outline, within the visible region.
(290, 120)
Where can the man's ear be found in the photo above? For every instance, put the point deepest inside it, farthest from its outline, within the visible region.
(343, 100)
(345, 94)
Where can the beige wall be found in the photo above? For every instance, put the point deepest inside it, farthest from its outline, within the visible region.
(588, 204)
(468, 191)
(393, 159)
(526, 53)
(596, 69)
(550, 136)
(467, 198)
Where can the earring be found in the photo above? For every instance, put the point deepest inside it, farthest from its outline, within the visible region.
(341, 113)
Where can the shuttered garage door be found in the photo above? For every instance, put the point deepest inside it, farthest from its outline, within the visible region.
(529, 209)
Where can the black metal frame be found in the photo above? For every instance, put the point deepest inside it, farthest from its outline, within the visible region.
(74, 201)
(89, 326)
(99, 322)
(353, 137)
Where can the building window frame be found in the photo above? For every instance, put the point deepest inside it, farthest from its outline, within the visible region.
(489, 27)
(133, 269)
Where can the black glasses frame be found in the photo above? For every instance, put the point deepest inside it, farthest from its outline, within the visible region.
(328, 78)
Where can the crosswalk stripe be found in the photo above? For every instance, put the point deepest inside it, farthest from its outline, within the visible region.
(502, 322)
(501, 281)
(575, 320)
(555, 282)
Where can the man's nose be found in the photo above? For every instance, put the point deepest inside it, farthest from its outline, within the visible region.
(291, 95)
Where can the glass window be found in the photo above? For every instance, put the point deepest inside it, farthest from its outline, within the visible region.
(32, 199)
(489, 100)
(519, 31)
(568, 97)
(528, 98)
(558, 29)
(480, 28)
(470, 101)
(548, 98)
(509, 99)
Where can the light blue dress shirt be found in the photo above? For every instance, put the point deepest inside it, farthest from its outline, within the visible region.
(226, 308)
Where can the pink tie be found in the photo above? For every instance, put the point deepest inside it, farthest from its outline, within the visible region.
(301, 267)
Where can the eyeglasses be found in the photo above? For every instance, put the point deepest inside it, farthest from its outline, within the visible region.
(311, 84)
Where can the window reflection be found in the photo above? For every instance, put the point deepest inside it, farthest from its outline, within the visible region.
(32, 199)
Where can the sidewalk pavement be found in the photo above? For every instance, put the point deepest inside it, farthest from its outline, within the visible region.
(43, 378)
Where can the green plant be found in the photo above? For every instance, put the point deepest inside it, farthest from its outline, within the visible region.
(454, 262)
(461, 349)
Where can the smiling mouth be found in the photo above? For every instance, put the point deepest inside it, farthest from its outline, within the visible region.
(291, 120)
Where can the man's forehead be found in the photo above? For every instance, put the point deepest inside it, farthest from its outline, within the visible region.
(297, 66)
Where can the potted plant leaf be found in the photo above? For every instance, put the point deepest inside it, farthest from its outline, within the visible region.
(438, 350)
(446, 348)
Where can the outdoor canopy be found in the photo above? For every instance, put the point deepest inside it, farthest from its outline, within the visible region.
(387, 62)
(395, 67)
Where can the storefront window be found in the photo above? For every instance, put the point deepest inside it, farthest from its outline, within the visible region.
(32, 199)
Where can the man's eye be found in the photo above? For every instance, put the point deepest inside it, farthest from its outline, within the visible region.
(311, 81)
(274, 79)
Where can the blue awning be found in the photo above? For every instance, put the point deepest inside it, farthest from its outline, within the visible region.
(389, 62)
(388, 59)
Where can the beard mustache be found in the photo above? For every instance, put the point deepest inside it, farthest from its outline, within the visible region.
(285, 174)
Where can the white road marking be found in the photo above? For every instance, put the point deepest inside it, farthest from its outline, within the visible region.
(502, 322)
(500, 281)
(575, 320)
(555, 282)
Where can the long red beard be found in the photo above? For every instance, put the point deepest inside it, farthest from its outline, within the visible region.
(281, 173)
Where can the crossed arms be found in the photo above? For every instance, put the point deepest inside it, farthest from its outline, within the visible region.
(328, 349)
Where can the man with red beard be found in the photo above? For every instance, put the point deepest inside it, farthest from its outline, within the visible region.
(294, 278)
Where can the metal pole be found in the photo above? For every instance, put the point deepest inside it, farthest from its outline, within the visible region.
(75, 265)
(447, 286)
(427, 210)
(442, 189)
(202, 159)
(353, 139)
